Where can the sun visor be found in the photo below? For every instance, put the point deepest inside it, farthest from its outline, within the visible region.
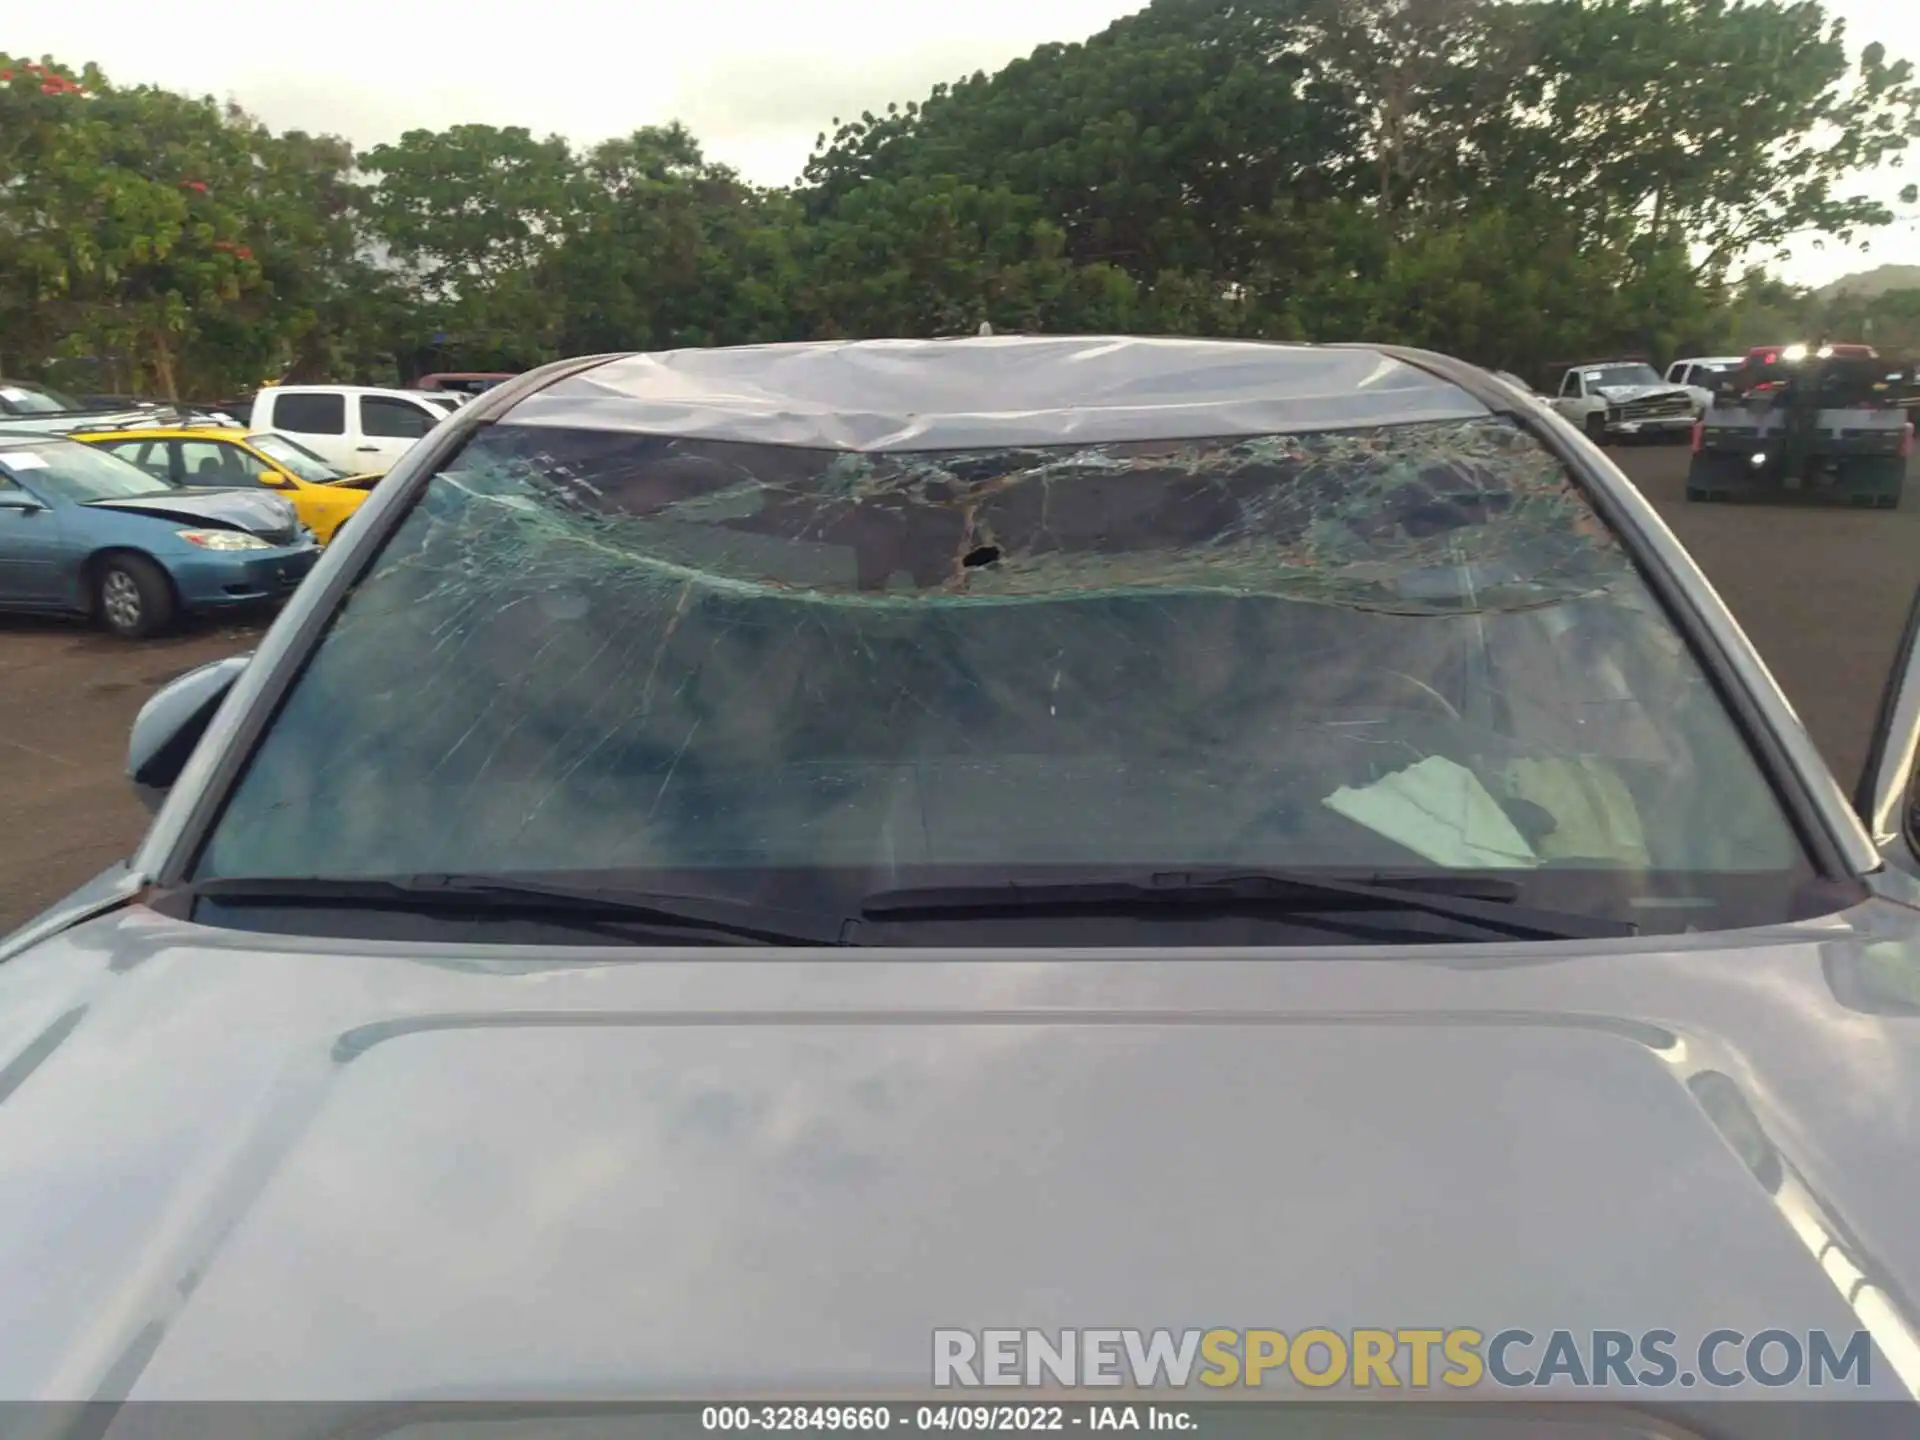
(954, 394)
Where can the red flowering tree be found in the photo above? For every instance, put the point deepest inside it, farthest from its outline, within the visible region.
(128, 217)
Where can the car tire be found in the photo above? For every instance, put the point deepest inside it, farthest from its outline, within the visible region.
(132, 597)
(1596, 427)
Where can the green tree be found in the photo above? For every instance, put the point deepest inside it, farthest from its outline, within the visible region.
(1733, 127)
(473, 214)
(126, 220)
(670, 250)
(1147, 145)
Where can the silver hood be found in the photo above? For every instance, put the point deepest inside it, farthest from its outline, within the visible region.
(253, 1167)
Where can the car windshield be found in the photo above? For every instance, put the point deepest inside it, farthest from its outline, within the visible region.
(295, 459)
(19, 398)
(67, 470)
(732, 668)
(1623, 375)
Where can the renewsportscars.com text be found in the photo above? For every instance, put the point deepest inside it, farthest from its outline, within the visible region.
(1418, 1358)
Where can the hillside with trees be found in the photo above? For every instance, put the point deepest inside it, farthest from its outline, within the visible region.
(1510, 182)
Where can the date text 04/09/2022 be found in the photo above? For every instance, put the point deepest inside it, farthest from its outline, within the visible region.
(986, 1418)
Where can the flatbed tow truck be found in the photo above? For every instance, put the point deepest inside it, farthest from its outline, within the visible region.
(1817, 421)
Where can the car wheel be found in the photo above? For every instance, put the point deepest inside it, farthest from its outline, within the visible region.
(1596, 427)
(132, 597)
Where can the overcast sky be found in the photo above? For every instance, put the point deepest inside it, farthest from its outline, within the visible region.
(756, 80)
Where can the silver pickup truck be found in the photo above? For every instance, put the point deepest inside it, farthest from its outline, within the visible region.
(1624, 399)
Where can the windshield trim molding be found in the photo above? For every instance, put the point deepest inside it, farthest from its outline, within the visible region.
(1835, 839)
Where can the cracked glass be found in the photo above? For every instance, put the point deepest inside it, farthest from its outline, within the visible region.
(1405, 648)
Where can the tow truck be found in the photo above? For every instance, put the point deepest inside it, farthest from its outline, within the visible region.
(1824, 421)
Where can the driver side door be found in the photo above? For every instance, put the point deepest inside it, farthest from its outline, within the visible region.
(33, 547)
(1568, 401)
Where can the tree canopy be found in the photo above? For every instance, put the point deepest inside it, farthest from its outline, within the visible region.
(1507, 180)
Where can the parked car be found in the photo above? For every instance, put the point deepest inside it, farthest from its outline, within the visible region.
(1900, 382)
(227, 458)
(1623, 400)
(84, 533)
(738, 859)
(1699, 374)
(357, 429)
(465, 383)
(40, 408)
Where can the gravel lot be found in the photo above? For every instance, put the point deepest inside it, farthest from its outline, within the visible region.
(1823, 593)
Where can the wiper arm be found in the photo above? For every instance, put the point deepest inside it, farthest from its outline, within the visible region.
(510, 895)
(1488, 903)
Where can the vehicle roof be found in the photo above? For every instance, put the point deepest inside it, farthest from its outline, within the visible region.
(988, 391)
(12, 439)
(394, 391)
(164, 432)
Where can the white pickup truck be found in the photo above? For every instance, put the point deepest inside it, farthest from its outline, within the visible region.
(359, 428)
(1624, 399)
(1696, 374)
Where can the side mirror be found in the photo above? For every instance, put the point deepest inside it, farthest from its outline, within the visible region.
(171, 723)
(274, 480)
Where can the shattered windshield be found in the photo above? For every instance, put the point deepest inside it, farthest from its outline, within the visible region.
(1411, 648)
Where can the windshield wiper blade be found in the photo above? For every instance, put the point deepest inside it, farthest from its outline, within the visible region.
(511, 895)
(1476, 900)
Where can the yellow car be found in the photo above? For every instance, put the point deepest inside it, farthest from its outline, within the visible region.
(322, 495)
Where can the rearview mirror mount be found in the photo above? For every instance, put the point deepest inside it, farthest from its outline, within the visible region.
(171, 723)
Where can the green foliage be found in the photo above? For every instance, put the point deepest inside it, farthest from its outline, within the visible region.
(1508, 180)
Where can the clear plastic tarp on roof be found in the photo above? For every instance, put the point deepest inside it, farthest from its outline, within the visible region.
(954, 394)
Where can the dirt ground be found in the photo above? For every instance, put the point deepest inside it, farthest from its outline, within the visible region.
(1822, 593)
